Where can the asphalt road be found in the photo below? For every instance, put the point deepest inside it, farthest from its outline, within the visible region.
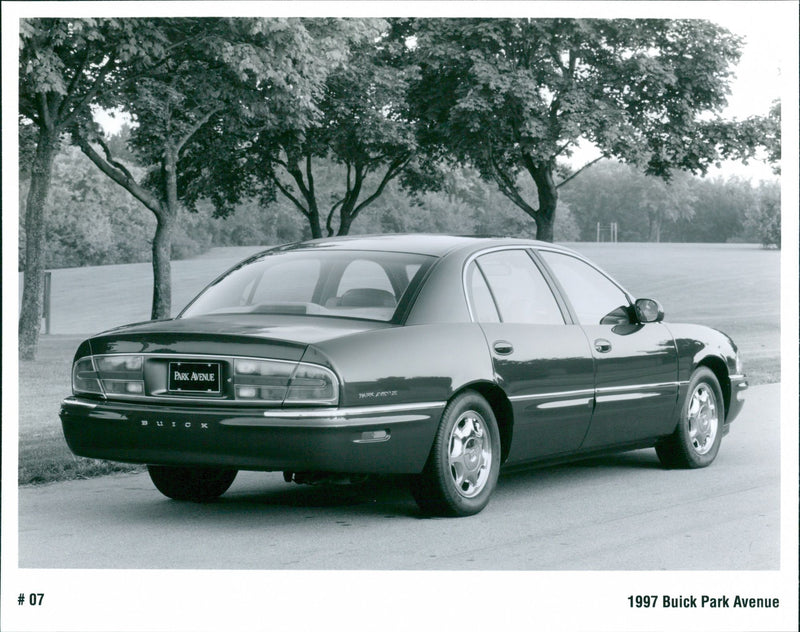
(617, 513)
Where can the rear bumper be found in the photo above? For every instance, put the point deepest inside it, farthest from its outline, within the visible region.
(376, 439)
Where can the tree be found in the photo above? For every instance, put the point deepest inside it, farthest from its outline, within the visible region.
(360, 125)
(772, 134)
(65, 65)
(668, 201)
(514, 96)
(720, 208)
(169, 104)
(362, 128)
(219, 70)
(764, 216)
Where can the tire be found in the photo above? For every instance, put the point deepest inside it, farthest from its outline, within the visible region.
(198, 484)
(695, 442)
(462, 468)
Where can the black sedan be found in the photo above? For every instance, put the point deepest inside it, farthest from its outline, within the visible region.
(443, 358)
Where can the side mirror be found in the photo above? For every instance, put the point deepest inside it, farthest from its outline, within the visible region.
(649, 310)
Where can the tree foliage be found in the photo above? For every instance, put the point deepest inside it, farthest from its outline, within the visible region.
(514, 96)
(719, 209)
(763, 218)
(360, 122)
(771, 136)
(641, 205)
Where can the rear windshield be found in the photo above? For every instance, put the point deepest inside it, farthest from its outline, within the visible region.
(350, 284)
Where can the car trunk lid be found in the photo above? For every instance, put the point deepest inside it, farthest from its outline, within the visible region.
(251, 335)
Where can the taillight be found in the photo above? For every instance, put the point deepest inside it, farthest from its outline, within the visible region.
(312, 384)
(84, 377)
(274, 382)
(109, 375)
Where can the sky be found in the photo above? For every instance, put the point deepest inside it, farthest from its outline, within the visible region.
(758, 74)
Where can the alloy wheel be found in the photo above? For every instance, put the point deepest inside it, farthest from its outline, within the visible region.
(703, 418)
(469, 454)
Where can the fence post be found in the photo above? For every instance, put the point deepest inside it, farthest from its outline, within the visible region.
(46, 304)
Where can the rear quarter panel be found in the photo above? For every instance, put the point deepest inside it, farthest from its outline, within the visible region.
(407, 364)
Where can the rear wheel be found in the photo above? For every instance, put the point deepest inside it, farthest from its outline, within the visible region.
(695, 442)
(198, 484)
(464, 463)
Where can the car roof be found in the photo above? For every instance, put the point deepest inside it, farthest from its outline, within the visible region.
(425, 244)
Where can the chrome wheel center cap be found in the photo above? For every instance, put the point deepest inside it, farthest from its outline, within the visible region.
(472, 452)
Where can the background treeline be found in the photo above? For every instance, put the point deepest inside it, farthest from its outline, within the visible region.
(92, 221)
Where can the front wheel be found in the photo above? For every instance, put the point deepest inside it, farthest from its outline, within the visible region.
(464, 463)
(198, 484)
(697, 438)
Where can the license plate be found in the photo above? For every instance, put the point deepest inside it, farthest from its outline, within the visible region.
(194, 377)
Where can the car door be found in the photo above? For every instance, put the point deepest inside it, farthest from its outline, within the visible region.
(636, 365)
(544, 364)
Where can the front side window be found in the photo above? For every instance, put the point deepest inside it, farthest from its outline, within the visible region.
(596, 299)
(350, 284)
(519, 289)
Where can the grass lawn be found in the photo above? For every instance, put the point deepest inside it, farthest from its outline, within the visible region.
(733, 287)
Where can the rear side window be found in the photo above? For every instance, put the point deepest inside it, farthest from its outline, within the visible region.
(519, 289)
(483, 307)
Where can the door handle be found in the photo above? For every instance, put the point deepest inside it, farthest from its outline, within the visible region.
(602, 345)
(503, 347)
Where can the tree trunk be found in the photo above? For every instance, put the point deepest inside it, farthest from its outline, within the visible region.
(346, 216)
(348, 210)
(162, 268)
(313, 221)
(344, 225)
(30, 318)
(545, 216)
(162, 241)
